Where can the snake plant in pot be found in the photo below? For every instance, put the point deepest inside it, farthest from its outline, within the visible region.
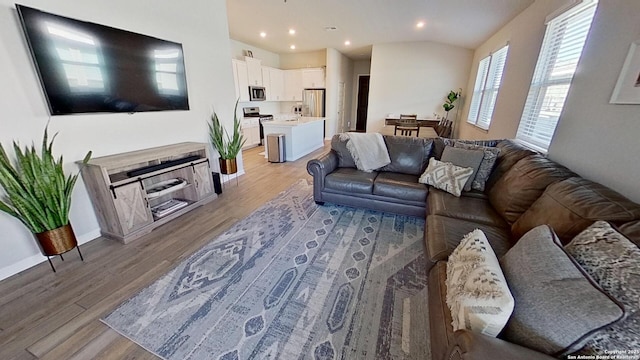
(228, 146)
(38, 193)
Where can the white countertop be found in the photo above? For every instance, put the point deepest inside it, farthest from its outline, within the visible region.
(293, 121)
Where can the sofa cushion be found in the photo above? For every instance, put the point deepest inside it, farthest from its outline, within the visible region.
(446, 176)
(510, 153)
(409, 155)
(614, 263)
(440, 143)
(400, 186)
(472, 208)
(340, 148)
(443, 234)
(440, 329)
(523, 184)
(486, 165)
(571, 205)
(477, 292)
(350, 180)
(631, 230)
(558, 306)
(464, 158)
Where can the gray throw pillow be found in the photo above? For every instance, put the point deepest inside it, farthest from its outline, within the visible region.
(488, 161)
(558, 306)
(613, 261)
(464, 158)
(344, 156)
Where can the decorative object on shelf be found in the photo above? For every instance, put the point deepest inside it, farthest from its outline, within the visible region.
(627, 90)
(227, 146)
(38, 193)
(448, 104)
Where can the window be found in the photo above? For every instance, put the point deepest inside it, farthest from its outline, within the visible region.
(561, 49)
(485, 90)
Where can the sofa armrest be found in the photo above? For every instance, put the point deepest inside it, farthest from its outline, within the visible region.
(468, 345)
(319, 169)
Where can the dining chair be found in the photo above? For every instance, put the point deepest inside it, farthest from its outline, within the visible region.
(407, 125)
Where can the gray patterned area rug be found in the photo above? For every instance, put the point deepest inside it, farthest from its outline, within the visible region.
(294, 280)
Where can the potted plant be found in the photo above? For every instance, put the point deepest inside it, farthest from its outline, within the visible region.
(38, 193)
(448, 104)
(227, 146)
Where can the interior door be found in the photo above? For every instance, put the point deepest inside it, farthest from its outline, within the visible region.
(363, 103)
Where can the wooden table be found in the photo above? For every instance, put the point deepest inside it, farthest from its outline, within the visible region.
(427, 132)
(421, 122)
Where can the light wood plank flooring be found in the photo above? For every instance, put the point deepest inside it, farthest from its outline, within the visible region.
(56, 316)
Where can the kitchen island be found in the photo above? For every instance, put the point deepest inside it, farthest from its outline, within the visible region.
(302, 134)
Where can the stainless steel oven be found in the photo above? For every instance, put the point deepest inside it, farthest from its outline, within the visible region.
(257, 93)
(253, 112)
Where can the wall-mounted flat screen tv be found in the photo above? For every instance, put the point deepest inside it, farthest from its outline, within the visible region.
(88, 68)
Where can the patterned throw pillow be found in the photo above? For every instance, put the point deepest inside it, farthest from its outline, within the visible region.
(445, 176)
(558, 306)
(488, 161)
(614, 263)
(477, 292)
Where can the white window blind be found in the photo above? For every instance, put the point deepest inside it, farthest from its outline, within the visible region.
(485, 90)
(561, 49)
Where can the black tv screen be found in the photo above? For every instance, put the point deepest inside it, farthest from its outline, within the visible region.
(87, 68)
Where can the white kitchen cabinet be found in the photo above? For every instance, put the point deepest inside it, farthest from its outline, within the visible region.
(240, 79)
(266, 82)
(313, 78)
(254, 71)
(293, 85)
(276, 78)
(251, 132)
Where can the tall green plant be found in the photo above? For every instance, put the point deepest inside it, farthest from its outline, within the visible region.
(227, 146)
(448, 104)
(37, 191)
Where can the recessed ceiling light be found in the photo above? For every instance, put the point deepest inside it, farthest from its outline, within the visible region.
(347, 42)
(263, 34)
(420, 24)
(292, 31)
(292, 47)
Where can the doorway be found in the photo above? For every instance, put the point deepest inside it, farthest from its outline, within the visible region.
(363, 103)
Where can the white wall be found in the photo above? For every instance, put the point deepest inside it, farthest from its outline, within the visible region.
(360, 67)
(414, 78)
(268, 58)
(596, 139)
(339, 69)
(202, 29)
(299, 60)
(524, 34)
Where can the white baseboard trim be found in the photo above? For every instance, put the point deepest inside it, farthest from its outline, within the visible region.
(34, 260)
(226, 178)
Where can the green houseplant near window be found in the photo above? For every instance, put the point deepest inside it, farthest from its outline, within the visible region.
(38, 193)
(227, 146)
(448, 104)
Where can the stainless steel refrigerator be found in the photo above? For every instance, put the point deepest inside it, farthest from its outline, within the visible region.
(313, 102)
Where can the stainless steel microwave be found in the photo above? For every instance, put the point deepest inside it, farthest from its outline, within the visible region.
(257, 93)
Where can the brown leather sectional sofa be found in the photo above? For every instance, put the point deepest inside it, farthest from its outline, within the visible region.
(525, 190)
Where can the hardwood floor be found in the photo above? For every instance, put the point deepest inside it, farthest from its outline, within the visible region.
(57, 316)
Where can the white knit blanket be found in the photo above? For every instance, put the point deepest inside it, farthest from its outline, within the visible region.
(368, 150)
